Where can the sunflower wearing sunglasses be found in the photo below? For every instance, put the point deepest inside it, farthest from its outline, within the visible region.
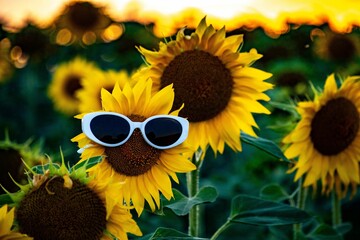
(141, 141)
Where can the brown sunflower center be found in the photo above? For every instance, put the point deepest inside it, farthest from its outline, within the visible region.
(341, 48)
(55, 212)
(72, 85)
(201, 81)
(334, 126)
(10, 164)
(135, 157)
(84, 16)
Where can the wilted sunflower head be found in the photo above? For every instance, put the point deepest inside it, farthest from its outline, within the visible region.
(219, 89)
(66, 81)
(13, 158)
(326, 140)
(144, 169)
(90, 94)
(6, 222)
(86, 22)
(61, 203)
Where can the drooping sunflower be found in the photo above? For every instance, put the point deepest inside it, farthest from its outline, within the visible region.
(13, 157)
(66, 81)
(327, 138)
(85, 21)
(61, 203)
(215, 82)
(90, 94)
(6, 222)
(145, 170)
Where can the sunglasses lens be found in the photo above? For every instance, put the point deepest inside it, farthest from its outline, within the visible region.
(110, 129)
(163, 131)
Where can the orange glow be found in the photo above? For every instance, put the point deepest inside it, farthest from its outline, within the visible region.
(168, 16)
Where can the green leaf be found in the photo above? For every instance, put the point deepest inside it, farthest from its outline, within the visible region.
(5, 199)
(168, 233)
(181, 204)
(41, 169)
(343, 228)
(274, 192)
(291, 108)
(324, 231)
(89, 163)
(265, 145)
(256, 211)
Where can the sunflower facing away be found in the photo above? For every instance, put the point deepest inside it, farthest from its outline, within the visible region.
(6, 222)
(327, 138)
(61, 203)
(219, 89)
(89, 95)
(145, 170)
(66, 81)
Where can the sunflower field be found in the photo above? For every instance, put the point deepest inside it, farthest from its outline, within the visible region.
(110, 130)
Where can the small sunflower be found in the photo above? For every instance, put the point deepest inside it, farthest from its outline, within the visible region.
(6, 222)
(13, 156)
(327, 138)
(337, 47)
(89, 95)
(145, 170)
(6, 69)
(86, 22)
(66, 81)
(215, 82)
(61, 203)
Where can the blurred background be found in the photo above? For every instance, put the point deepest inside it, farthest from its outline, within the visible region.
(302, 42)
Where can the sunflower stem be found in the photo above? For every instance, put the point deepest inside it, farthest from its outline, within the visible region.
(193, 179)
(301, 199)
(336, 209)
(220, 230)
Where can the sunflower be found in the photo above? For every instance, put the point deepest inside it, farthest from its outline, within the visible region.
(6, 69)
(145, 170)
(215, 82)
(327, 138)
(13, 156)
(6, 222)
(61, 203)
(89, 94)
(337, 47)
(66, 81)
(86, 22)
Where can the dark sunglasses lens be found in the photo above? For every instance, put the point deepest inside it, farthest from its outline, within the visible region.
(109, 128)
(163, 131)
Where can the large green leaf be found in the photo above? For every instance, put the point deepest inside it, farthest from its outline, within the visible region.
(274, 192)
(324, 231)
(168, 233)
(181, 204)
(256, 211)
(265, 145)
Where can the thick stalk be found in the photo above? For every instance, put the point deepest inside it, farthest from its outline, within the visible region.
(192, 179)
(302, 195)
(336, 209)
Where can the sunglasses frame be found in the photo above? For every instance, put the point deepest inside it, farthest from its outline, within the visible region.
(86, 120)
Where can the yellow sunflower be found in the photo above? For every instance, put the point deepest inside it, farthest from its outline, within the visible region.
(327, 138)
(62, 203)
(85, 21)
(6, 222)
(89, 94)
(145, 170)
(338, 47)
(215, 82)
(66, 81)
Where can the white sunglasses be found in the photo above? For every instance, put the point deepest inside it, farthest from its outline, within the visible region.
(111, 129)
